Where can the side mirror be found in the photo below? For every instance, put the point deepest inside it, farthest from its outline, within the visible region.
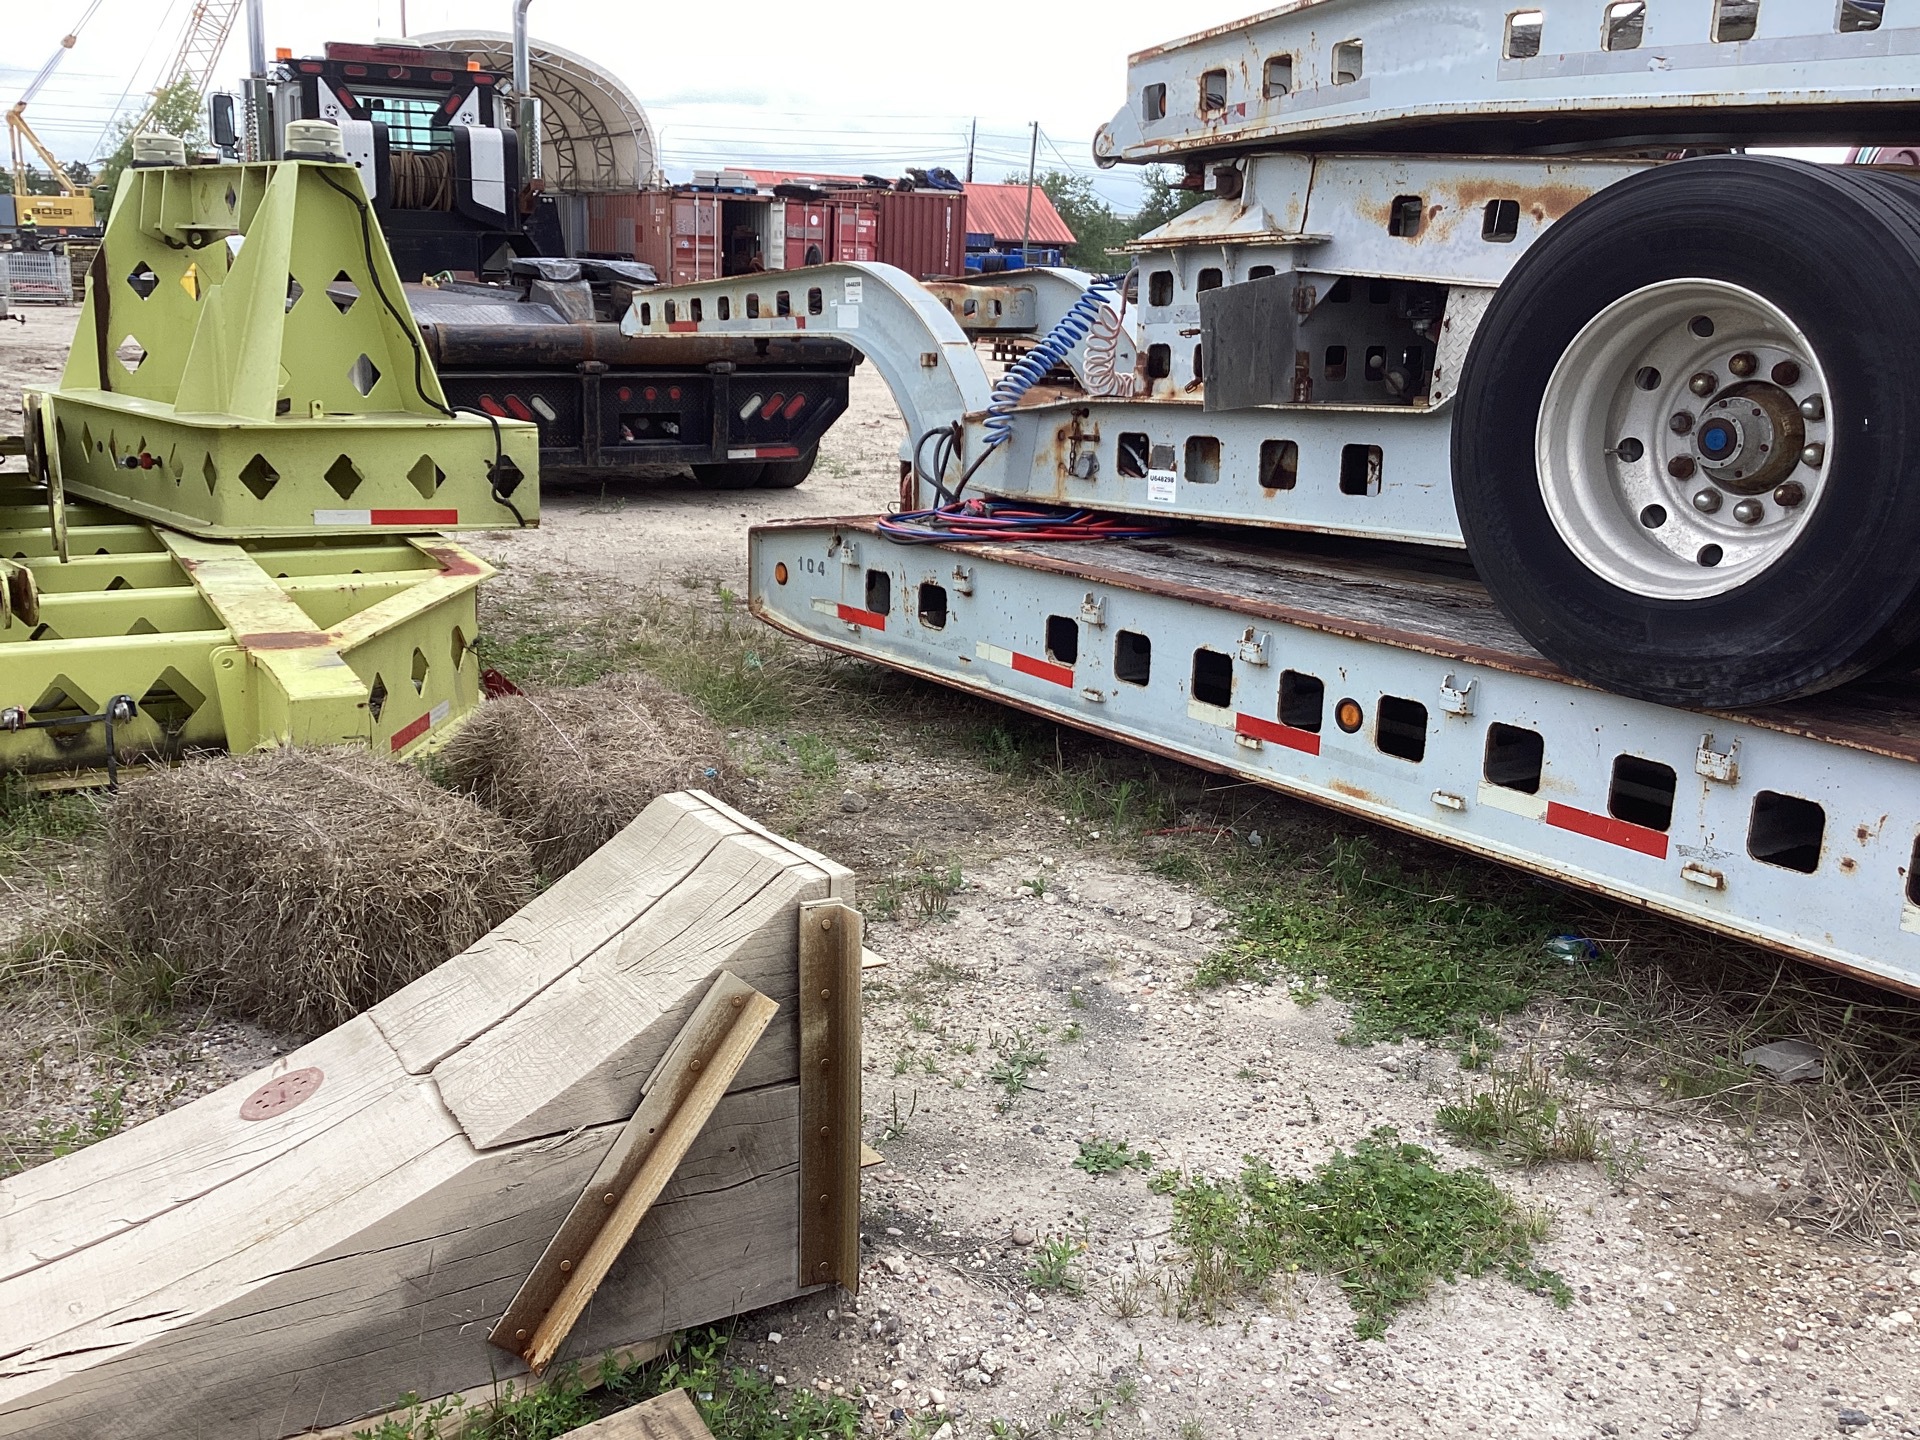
(226, 135)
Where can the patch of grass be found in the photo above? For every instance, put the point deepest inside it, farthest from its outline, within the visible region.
(924, 894)
(1055, 1269)
(30, 821)
(1426, 956)
(819, 762)
(46, 1142)
(1383, 1220)
(1110, 1157)
(1518, 1117)
(700, 641)
(1073, 1032)
(1018, 1058)
(735, 1402)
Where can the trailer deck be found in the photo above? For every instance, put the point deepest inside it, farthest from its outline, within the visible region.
(1387, 684)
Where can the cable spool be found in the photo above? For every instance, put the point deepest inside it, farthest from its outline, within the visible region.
(422, 179)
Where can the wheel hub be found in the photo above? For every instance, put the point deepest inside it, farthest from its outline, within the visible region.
(1750, 438)
(1682, 439)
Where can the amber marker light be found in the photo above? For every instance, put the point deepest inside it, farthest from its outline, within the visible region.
(1348, 715)
(780, 573)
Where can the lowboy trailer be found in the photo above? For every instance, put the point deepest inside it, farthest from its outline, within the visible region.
(1529, 467)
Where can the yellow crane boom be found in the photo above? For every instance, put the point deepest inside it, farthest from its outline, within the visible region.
(72, 208)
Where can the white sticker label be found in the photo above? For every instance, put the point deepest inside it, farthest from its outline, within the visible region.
(849, 315)
(854, 286)
(1160, 487)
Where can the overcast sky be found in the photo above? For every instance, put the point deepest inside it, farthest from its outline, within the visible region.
(855, 84)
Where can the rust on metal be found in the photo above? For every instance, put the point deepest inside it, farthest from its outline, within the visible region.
(282, 1093)
(829, 1005)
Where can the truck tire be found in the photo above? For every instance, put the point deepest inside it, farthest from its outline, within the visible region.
(1684, 435)
(728, 475)
(785, 474)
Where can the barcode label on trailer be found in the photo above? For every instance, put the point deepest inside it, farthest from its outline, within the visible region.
(426, 519)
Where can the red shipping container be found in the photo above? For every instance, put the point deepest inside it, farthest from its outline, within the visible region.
(924, 232)
(856, 228)
(615, 224)
(809, 233)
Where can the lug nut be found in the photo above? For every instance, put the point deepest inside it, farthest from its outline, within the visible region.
(1680, 422)
(1680, 467)
(1749, 512)
(1814, 408)
(1707, 501)
(1786, 373)
(1744, 364)
(1704, 384)
(1790, 494)
(1814, 455)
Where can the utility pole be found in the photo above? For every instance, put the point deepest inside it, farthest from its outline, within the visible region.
(972, 136)
(1033, 157)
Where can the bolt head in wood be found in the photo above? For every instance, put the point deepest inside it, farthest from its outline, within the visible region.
(693, 1065)
(607, 1198)
(566, 1265)
(738, 1001)
(519, 1334)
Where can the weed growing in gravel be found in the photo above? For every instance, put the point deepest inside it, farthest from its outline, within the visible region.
(924, 894)
(1384, 1221)
(1054, 1270)
(1519, 1117)
(1019, 1058)
(1110, 1157)
(896, 1127)
(1417, 956)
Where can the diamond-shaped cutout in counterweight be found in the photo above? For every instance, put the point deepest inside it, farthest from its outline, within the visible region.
(343, 292)
(131, 354)
(259, 477)
(294, 291)
(363, 375)
(427, 477)
(344, 477)
(142, 281)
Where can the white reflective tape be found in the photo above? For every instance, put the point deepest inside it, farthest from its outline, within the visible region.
(1514, 802)
(343, 517)
(439, 712)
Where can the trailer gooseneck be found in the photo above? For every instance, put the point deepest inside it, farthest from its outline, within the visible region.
(1500, 284)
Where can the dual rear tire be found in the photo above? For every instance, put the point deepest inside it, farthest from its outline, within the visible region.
(1683, 437)
(756, 475)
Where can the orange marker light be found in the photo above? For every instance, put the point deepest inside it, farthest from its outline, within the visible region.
(283, 53)
(1348, 715)
(780, 573)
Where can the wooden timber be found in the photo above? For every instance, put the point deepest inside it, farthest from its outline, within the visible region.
(247, 1279)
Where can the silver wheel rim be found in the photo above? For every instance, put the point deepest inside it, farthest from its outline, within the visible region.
(1682, 442)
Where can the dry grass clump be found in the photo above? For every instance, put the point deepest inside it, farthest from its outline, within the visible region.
(570, 768)
(297, 887)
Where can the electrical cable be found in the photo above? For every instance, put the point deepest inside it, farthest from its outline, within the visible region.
(503, 471)
(1004, 520)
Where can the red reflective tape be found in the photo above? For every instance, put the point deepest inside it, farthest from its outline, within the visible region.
(684, 327)
(799, 322)
(410, 733)
(413, 517)
(1044, 670)
(872, 619)
(1304, 741)
(1605, 827)
(777, 452)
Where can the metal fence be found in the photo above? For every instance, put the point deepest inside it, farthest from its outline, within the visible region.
(30, 276)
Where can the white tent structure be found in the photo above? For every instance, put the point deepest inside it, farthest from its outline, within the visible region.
(594, 135)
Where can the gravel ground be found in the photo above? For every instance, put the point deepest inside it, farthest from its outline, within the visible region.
(1698, 1309)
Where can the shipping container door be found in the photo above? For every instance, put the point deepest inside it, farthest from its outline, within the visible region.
(856, 230)
(808, 239)
(696, 242)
